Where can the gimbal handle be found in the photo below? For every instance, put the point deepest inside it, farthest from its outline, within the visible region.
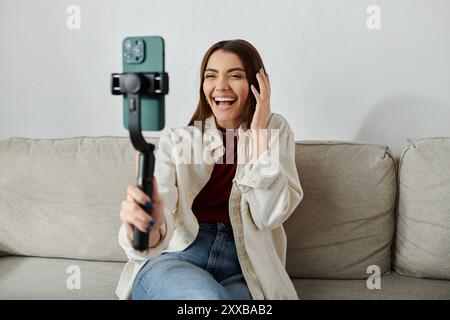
(133, 86)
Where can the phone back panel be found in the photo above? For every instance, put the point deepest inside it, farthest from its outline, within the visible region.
(145, 54)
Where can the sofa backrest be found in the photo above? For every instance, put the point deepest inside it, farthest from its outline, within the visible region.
(62, 197)
(345, 222)
(423, 228)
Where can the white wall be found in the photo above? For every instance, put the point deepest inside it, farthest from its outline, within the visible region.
(332, 77)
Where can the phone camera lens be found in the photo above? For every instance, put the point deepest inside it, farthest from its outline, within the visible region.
(128, 56)
(128, 44)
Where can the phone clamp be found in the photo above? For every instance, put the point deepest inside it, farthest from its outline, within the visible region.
(144, 83)
(133, 86)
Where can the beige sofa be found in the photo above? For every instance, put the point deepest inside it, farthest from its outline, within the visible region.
(360, 217)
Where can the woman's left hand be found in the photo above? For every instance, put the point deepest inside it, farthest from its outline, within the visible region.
(262, 110)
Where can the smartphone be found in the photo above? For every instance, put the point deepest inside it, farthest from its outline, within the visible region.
(145, 54)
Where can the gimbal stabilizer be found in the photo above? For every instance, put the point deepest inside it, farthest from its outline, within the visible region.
(133, 86)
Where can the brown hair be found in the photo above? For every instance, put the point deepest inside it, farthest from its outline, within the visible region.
(252, 64)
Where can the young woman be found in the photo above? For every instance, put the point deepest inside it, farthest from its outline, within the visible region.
(216, 228)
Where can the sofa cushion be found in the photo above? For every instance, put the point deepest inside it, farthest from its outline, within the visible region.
(392, 287)
(62, 197)
(25, 278)
(345, 221)
(423, 228)
(50, 278)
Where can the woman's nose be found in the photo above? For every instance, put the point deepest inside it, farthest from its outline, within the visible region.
(222, 83)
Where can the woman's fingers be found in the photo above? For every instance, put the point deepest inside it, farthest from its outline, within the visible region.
(267, 81)
(132, 203)
(263, 96)
(129, 197)
(131, 208)
(136, 216)
(262, 89)
(140, 224)
(132, 214)
(265, 77)
(137, 194)
(263, 83)
(255, 92)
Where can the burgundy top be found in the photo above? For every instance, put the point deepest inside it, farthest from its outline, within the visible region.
(211, 204)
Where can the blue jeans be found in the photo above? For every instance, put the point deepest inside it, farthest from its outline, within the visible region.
(208, 269)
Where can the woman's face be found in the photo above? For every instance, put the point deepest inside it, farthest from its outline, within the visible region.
(226, 88)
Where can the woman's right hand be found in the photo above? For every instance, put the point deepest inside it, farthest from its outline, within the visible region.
(132, 214)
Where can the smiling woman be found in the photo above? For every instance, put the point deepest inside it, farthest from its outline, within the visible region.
(227, 71)
(221, 224)
(226, 88)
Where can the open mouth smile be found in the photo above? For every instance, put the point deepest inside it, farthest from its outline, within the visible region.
(224, 103)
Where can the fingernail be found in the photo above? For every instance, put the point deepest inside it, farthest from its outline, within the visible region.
(150, 225)
(148, 204)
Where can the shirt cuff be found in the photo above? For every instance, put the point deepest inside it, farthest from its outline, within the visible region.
(260, 174)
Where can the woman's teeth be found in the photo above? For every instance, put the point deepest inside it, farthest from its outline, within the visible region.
(224, 102)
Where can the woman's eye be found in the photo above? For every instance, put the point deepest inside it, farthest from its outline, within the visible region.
(232, 76)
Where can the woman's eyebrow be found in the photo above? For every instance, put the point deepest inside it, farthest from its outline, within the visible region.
(229, 70)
